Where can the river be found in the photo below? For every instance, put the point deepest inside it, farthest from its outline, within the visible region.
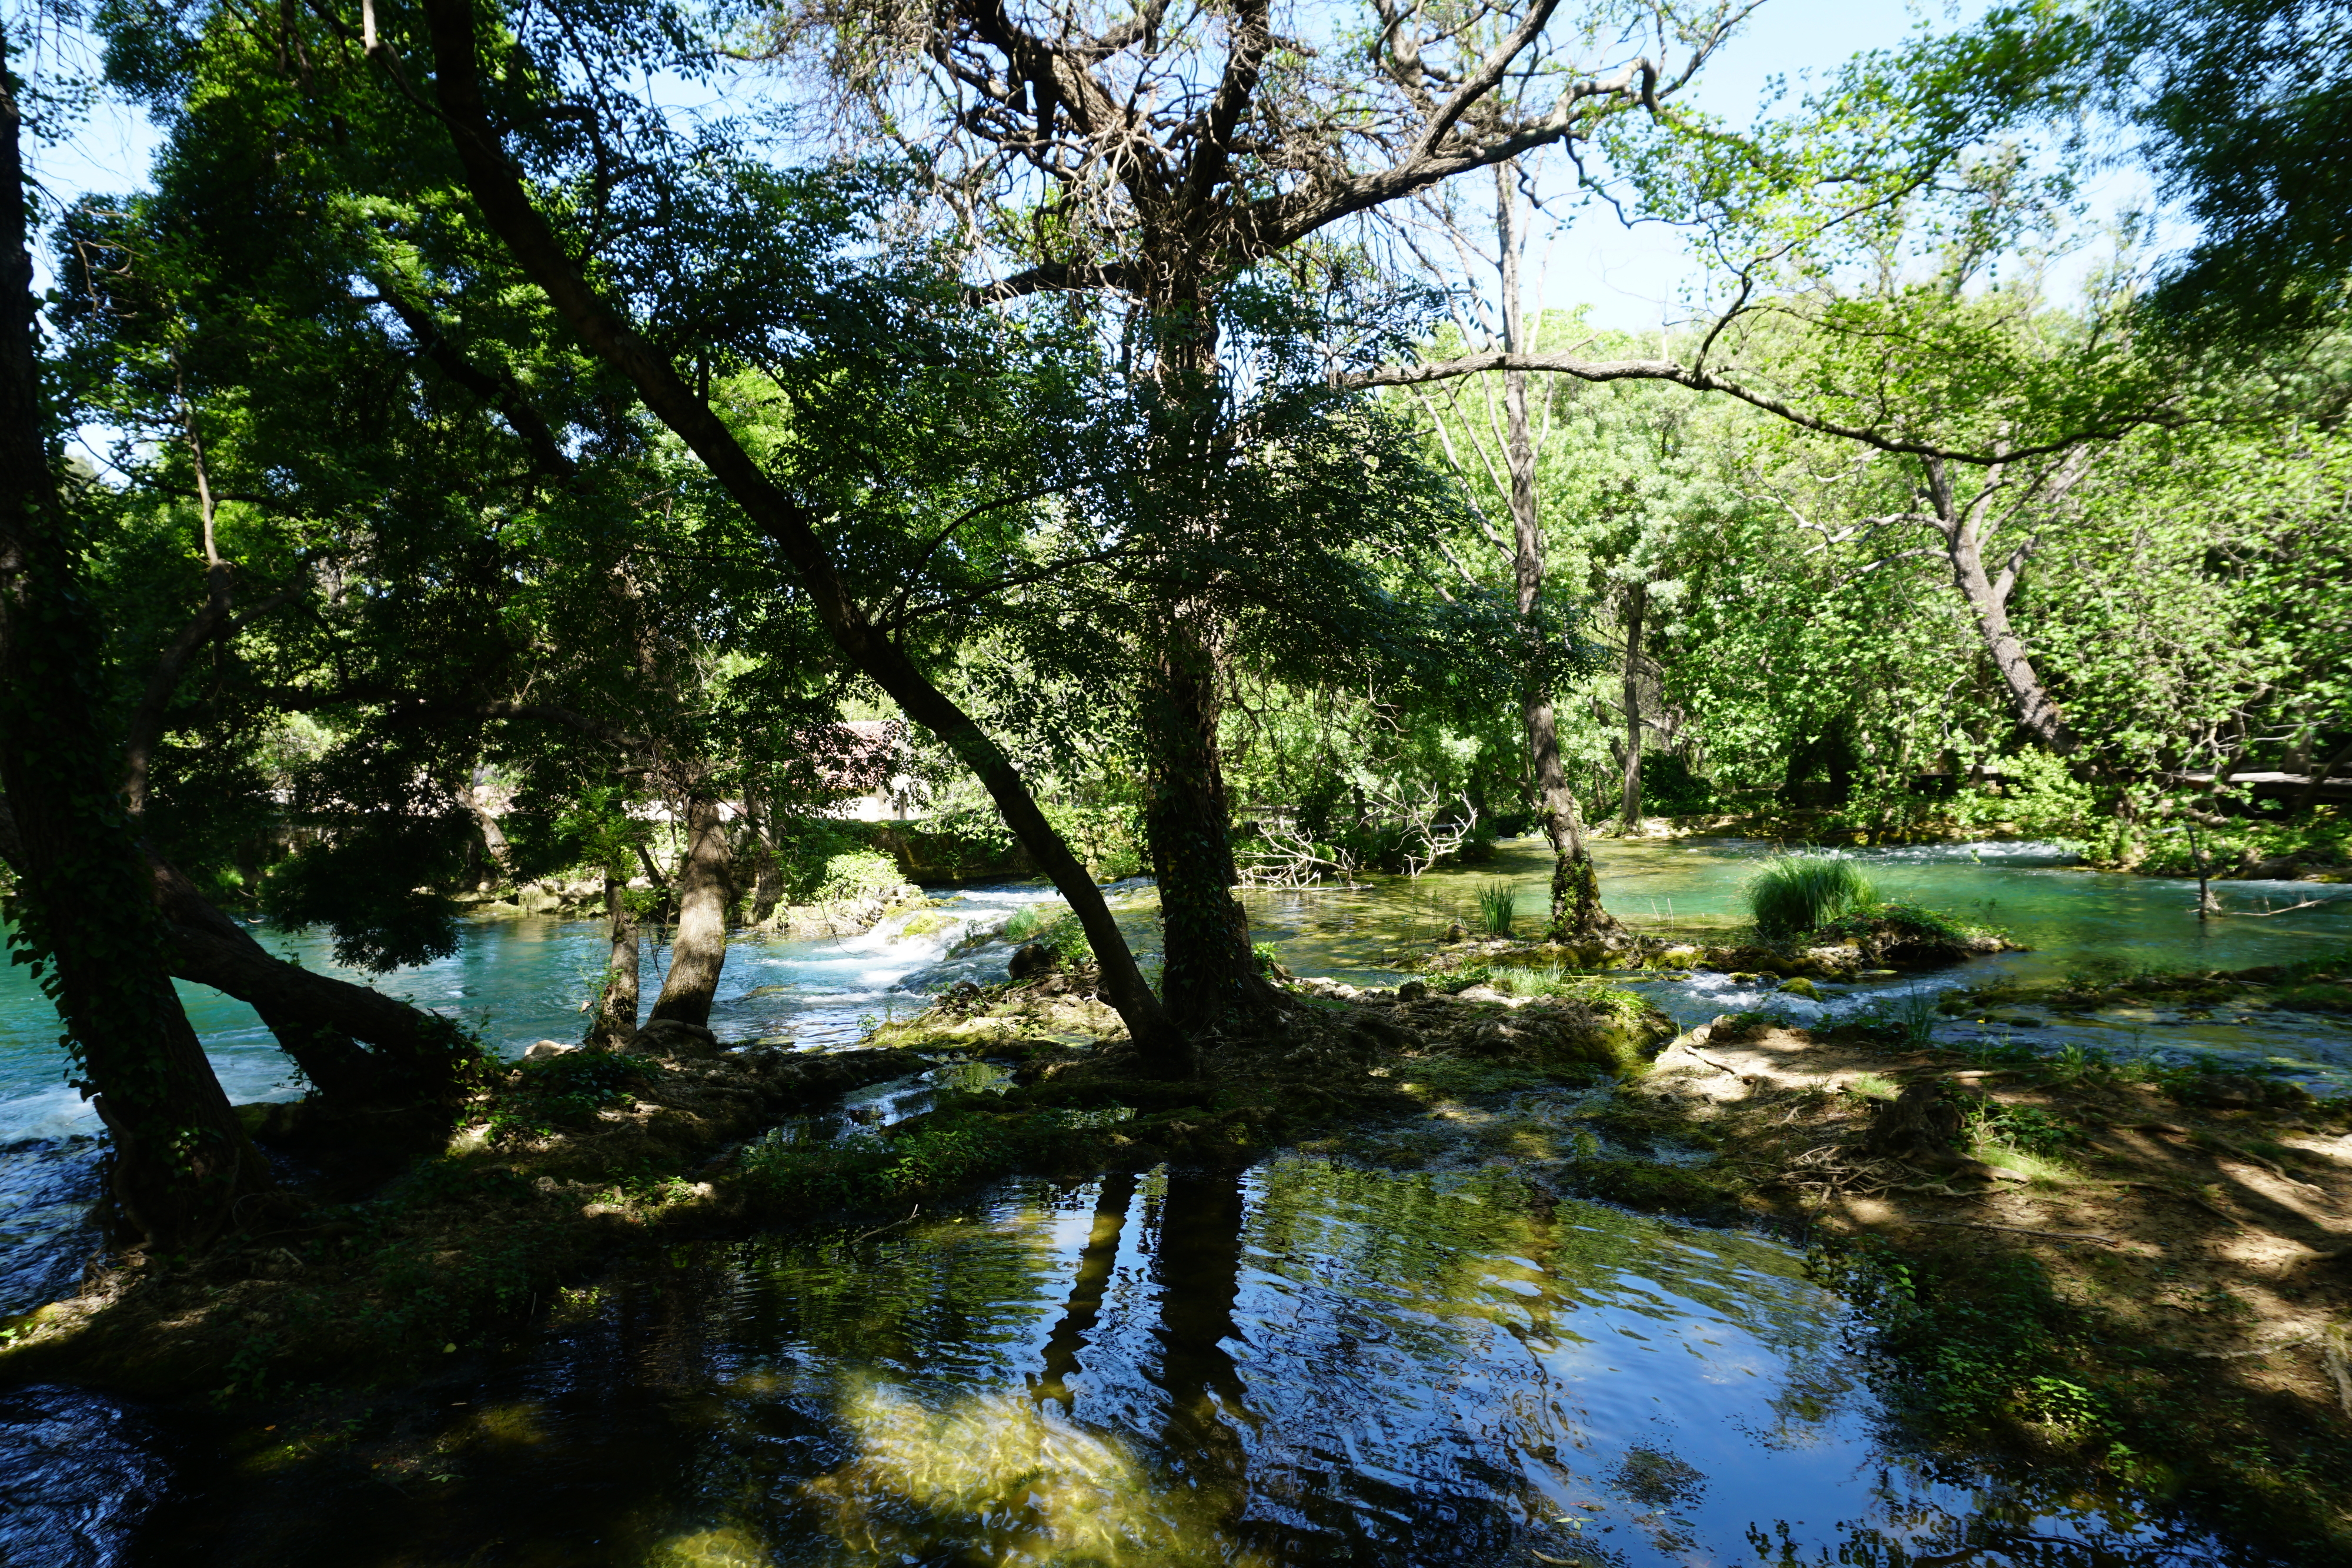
(1302, 1364)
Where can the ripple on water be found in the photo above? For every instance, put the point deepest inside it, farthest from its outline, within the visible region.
(1304, 1363)
(77, 1473)
(47, 1187)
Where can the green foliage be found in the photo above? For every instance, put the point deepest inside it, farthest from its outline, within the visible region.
(1792, 895)
(373, 884)
(933, 1153)
(854, 874)
(565, 1091)
(1052, 925)
(2028, 1129)
(1498, 907)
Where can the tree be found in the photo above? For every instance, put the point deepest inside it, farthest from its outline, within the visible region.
(183, 1163)
(1151, 160)
(2246, 108)
(1853, 245)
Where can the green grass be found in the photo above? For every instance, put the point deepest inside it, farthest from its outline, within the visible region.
(1795, 893)
(1497, 907)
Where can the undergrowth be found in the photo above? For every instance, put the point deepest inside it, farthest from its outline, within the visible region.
(1978, 1352)
(547, 1095)
(934, 1153)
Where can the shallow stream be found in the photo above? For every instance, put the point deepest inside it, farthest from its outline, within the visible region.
(1304, 1363)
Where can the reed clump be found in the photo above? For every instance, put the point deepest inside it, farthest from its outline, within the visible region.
(1795, 893)
(1498, 907)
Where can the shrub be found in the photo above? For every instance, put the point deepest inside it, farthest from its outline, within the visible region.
(1794, 893)
(856, 873)
(1496, 908)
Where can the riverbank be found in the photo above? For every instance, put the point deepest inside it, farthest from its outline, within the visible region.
(2247, 849)
(2135, 1278)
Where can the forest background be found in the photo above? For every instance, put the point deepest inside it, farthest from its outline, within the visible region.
(512, 465)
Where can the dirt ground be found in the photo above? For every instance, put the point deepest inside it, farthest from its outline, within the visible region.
(2166, 1214)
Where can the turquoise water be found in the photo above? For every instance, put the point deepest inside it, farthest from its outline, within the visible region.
(517, 980)
(1300, 1364)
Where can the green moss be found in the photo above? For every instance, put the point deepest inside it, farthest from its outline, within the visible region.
(1637, 1184)
(948, 1149)
(544, 1096)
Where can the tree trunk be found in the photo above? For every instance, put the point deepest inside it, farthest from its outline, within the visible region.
(419, 1058)
(1208, 969)
(1576, 911)
(767, 873)
(1629, 798)
(697, 951)
(617, 1005)
(506, 208)
(495, 869)
(183, 1163)
(1988, 601)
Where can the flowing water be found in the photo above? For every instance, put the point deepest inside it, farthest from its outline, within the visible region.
(1301, 1364)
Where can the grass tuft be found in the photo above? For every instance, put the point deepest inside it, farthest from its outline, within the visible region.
(1795, 893)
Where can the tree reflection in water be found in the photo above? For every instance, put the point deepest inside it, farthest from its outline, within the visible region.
(1302, 1364)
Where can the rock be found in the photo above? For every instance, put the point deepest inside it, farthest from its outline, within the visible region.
(1031, 960)
(1681, 957)
(673, 1041)
(1413, 991)
(1801, 987)
(1457, 932)
(547, 1051)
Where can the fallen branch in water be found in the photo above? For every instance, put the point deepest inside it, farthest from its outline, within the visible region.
(2290, 909)
(892, 1226)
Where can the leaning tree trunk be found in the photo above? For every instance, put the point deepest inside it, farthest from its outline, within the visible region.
(419, 1059)
(183, 1162)
(1961, 529)
(617, 1005)
(699, 950)
(1629, 798)
(506, 209)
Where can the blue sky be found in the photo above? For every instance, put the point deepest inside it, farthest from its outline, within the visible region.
(1629, 280)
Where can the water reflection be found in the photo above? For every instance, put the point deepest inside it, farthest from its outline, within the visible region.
(1306, 1364)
